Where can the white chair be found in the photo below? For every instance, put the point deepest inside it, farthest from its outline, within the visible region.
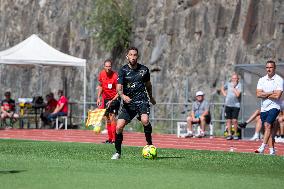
(64, 119)
(182, 129)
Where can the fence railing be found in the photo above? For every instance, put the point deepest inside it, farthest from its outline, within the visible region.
(164, 116)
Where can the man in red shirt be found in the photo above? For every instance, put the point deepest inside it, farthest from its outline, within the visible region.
(61, 107)
(108, 98)
(49, 108)
(8, 108)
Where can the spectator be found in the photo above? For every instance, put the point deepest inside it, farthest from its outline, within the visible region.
(199, 115)
(51, 104)
(61, 108)
(8, 108)
(107, 90)
(232, 91)
(269, 89)
(255, 116)
(280, 119)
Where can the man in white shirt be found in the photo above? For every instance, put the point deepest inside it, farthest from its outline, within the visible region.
(269, 89)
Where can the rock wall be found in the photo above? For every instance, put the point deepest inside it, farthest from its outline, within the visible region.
(189, 45)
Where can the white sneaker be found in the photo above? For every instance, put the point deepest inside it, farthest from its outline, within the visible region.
(115, 156)
(272, 152)
(188, 134)
(255, 137)
(259, 151)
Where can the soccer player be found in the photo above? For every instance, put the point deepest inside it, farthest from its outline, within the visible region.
(269, 89)
(107, 89)
(135, 89)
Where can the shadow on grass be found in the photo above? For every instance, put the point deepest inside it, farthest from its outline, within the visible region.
(169, 157)
(12, 171)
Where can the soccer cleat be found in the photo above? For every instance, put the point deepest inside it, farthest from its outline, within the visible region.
(115, 156)
(242, 125)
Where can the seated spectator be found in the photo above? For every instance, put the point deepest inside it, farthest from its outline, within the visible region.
(280, 136)
(61, 108)
(51, 104)
(8, 109)
(199, 115)
(255, 116)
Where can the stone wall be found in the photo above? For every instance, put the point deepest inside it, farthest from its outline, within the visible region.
(189, 45)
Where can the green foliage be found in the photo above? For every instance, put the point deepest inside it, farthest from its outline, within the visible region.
(111, 20)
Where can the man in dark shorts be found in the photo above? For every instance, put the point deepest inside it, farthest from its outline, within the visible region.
(135, 89)
(269, 89)
(108, 98)
(199, 114)
(232, 91)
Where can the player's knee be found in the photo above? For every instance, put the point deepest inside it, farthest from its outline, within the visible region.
(189, 119)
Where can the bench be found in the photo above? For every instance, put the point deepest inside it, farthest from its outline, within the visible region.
(182, 129)
(64, 120)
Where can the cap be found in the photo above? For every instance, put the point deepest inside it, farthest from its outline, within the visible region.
(199, 93)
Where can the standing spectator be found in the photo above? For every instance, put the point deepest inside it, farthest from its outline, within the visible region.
(8, 109)
(61, 108)
(135, 89)
(107, 90)
(199, 114)
(232, 91)
(269, 89)
(51, 104)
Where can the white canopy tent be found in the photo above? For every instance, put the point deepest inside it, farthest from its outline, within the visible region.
(34, 51)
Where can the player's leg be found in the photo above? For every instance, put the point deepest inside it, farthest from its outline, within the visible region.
(228, 117)
(189, 121)
(268, 118)
(144, 110)
(147, 128)
(125, 116)
(235, 115)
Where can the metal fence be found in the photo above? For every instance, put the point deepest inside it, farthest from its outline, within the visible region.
(164, 116)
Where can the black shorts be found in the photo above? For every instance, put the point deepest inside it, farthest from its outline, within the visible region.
(207, 119)
(128, 112)
(113, 107)
(231, 112)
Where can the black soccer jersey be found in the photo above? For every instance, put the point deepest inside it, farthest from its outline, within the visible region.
(133, 81)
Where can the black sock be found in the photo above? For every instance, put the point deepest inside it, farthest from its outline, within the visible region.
(282, 136)
(118, 142)
(148, 133)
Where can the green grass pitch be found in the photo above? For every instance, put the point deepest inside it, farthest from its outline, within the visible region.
(58, 165)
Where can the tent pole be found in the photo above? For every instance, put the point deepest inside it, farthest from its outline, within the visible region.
(84, 112)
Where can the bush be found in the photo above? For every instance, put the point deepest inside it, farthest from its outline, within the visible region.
(111, 21)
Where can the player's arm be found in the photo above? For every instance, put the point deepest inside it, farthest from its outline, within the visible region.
(261, 94)
(276, 94)
(148, 85)
(100, 90)
(236, 91)
(223, 91)
(119, 89)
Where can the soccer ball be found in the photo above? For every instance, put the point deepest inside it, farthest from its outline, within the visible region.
(149, 152)
(97, 129)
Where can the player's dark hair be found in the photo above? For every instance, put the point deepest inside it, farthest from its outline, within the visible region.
(108, 60)
(132, 48)
(7, 93)
(271, 62)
